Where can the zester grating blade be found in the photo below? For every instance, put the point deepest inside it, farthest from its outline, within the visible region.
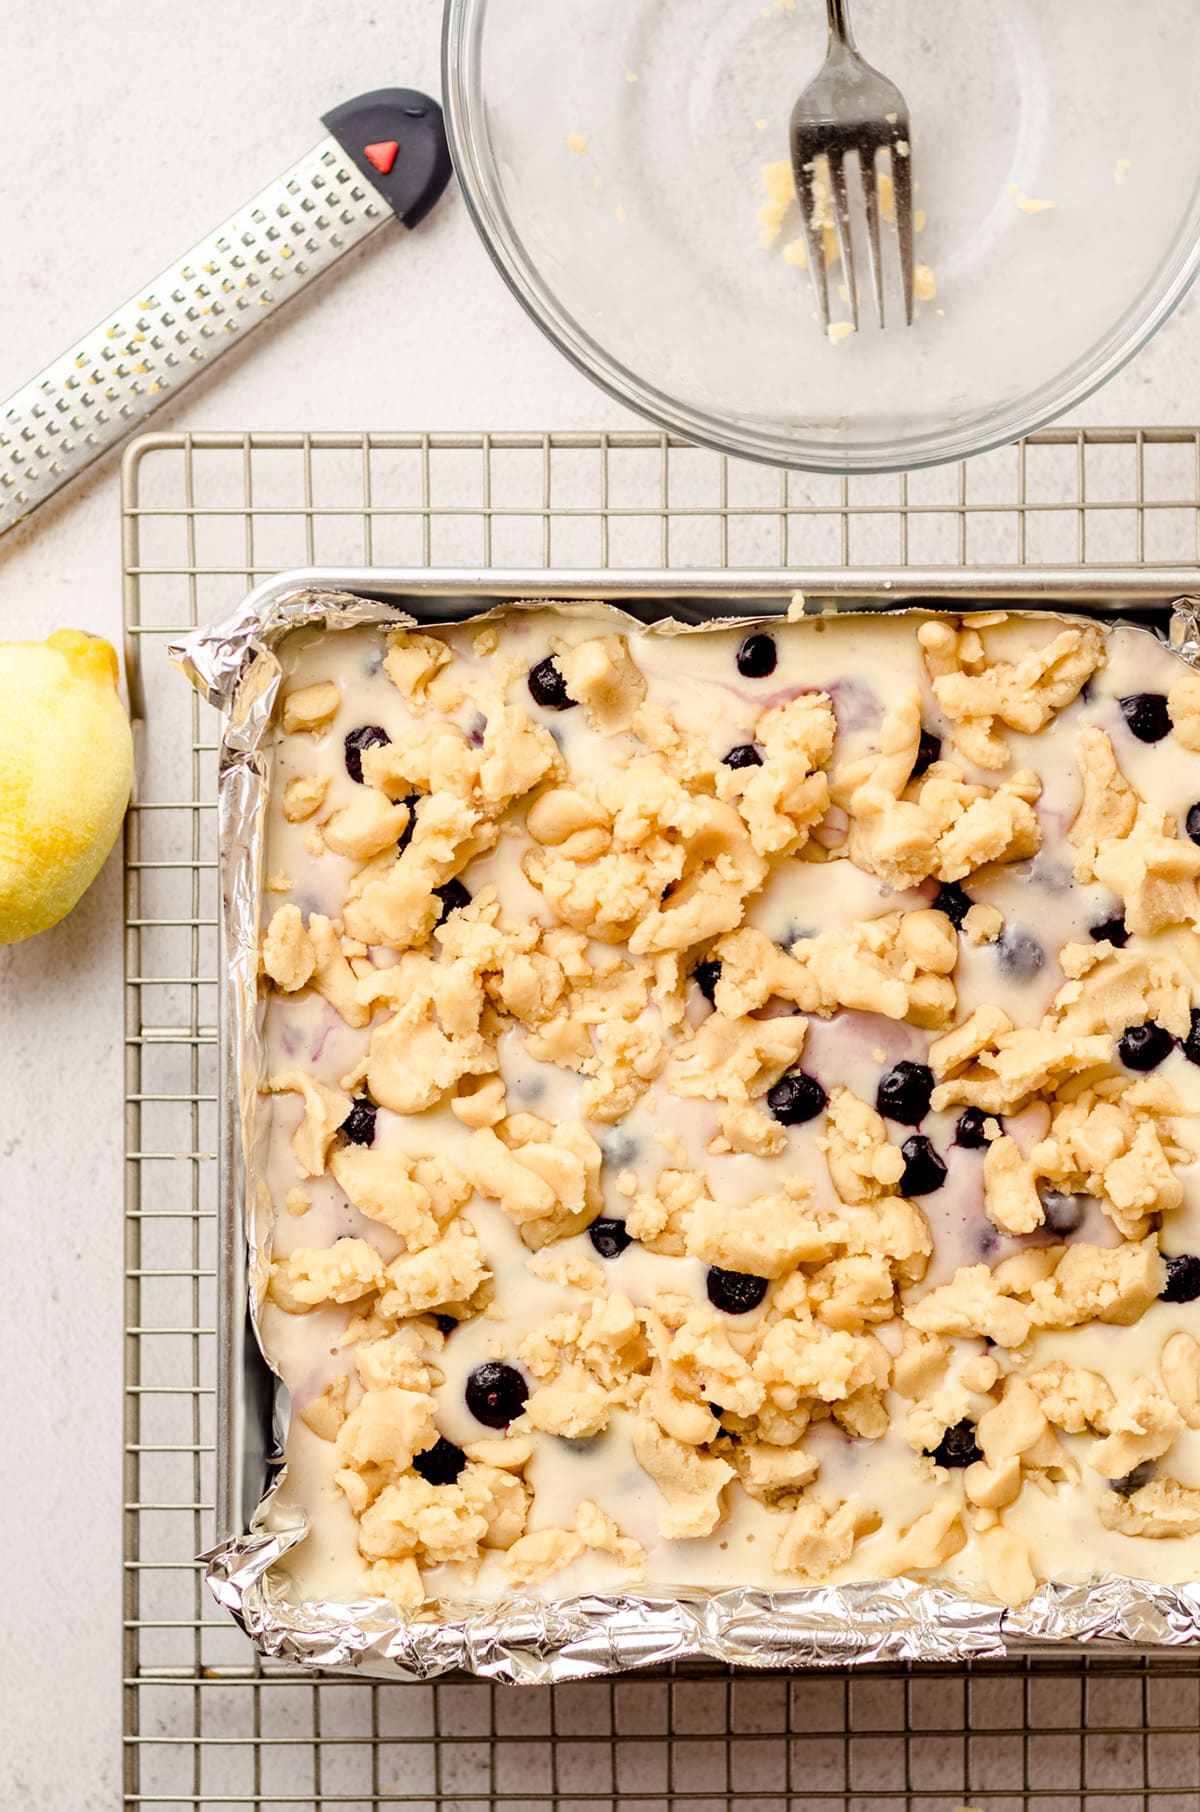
(130, 364)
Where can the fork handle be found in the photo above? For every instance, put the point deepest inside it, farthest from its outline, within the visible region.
(839, 24)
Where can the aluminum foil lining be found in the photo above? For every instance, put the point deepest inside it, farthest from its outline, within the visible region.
(520, 1639)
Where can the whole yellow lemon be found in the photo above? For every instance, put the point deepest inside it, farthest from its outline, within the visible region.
(66, 767)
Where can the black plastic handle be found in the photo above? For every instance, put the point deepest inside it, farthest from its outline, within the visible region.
(397, 138)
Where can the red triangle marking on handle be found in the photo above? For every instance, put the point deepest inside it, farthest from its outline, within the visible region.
(383, 155)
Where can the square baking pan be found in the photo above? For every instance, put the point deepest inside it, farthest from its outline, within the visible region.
(251, 1404)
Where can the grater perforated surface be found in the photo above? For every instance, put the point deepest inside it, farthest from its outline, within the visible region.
(206, 1724)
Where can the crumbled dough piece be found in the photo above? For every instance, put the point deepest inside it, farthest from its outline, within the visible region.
(817, 1538)
(411, 662)
(297, 1202)
(604, 678)
(949, 828)
(1072, 1398)
(1142, 1426)
(367, 826)
(413, 1197)
(325, 1413)
(303, 795)
(691, 1482)
(1179, 1365)
(1006, 1565)
(1099, 1283)
(937, 1535)
(1161, 1510)
(310, 707)
(976, 693)
(972, 1303)
(324, 1110)
(342, 1273)
(546, 1178)
(288, 956)
(1183, 705)
(450, 1271)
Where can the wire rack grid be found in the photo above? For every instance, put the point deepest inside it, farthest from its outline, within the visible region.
(206, 1723)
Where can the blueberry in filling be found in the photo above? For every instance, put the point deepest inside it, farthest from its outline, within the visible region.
(1191, 1044)
(735, 1292)
(903, 1094)
(924, 1171)
(1020, 955)
(359, 1124)
(454, 896)
(757, 656)
(1192, 822)
(441, 1463)
(609, 1237)
(706, 975)
(548, 687)
(969, 1131)
(744, 756)
(956, 904)
(929, 749)
(1146, 715)
(496, 1393)
(1183, 1278)
(796, 1098)
(1064, 1213)
(957, 1447)
(1144, 1047)
(1112, 931)
(370, 736)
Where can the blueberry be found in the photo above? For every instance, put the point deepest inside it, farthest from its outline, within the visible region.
(903, 1094)
(371, 736)
(1191, 1044)
(796, 1098)
(956, 904)
(454, 896)
(706, 975)
(406, 835)
(1144, 1047)
(929, 749)
(744, 756)
(1192, 822)
(1146, 715)
(496, 1393)
(757, 656)
(359, 1124)
(1112, 930)
(548, 686)
(924, 1171)
(610, 1238)
(1064, 1213)
(957, 1447)
(1133, 1481)
(441, 1463)
(1183, 1278)
(1020, 955)
(735, 1292)
(446, 1325)
(969, 1132)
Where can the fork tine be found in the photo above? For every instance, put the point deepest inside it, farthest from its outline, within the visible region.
(814, 239)
(866, 157)
(841, 219)
(902, 189)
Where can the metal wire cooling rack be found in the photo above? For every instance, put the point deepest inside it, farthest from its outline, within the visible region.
(206, 1724)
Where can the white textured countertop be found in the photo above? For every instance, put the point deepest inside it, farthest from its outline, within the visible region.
(124, 134)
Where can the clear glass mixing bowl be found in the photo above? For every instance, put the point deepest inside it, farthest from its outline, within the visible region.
(638, 251)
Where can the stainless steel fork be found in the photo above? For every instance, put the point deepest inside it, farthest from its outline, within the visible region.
(849, 106)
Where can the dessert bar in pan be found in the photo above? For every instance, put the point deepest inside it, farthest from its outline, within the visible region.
(717, 1110)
